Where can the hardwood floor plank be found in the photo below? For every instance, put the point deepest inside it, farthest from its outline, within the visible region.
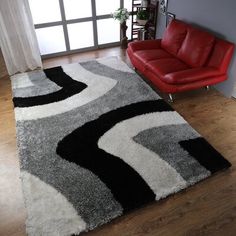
(208, 208)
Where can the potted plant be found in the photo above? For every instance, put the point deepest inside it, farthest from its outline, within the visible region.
(122, 14)
(142, 17)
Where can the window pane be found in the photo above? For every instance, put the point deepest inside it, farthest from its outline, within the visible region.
(45, 11)
(81, 35)
(128, 5)
(77, 9)
(105, 35)
(104, 7)
(51, 39)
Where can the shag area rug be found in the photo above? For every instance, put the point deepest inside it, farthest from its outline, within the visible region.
(95, 142)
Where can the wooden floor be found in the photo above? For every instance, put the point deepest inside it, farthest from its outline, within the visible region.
(208, 208)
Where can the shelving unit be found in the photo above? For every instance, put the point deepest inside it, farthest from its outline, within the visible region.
(152, 23)
(149, 30)
(135, 28)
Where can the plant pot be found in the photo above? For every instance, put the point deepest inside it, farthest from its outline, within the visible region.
(142, 22)
(124, 39)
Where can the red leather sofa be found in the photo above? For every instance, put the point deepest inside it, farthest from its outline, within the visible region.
(185, 58)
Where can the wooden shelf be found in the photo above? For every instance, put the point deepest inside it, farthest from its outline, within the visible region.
(150, 27)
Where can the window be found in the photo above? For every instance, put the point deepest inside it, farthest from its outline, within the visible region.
(51, 39)
(81, 35)
(42, 14)
(104, 7)
(77, 9)
(108, 36)
(74, 25)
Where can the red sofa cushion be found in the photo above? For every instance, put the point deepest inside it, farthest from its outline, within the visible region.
(196, 47)
(149, 55)
(191, 75)
(221, 55)
(174, 36)
(165, 66)
(145, 45)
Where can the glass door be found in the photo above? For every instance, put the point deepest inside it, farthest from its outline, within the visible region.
(108, 30)
(64, 26)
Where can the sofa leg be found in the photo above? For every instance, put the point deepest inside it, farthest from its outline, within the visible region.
(207, 87)
(170, 98)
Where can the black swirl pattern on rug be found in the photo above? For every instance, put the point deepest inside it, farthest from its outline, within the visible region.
(127, 186)
(81, 147)
(69, 87)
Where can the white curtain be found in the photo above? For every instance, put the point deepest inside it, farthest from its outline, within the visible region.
(17, 37)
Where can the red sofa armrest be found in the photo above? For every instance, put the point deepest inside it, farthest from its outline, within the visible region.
(144, 45)
(191, 75)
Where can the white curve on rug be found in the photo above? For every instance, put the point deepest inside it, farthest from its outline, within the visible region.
(115, 63)
(97, 86)
(49, 212)
(158, 174)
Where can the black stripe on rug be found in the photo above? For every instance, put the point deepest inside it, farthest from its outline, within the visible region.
(205, 154)
(81, 147)
(69, 88)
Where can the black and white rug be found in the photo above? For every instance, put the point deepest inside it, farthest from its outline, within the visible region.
(95, 141)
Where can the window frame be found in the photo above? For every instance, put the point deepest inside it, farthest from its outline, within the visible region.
(64, 22)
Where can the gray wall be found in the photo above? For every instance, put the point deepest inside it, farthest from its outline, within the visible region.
(215, 16)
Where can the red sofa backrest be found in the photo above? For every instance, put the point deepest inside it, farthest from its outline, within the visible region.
(196, 47)
(174, 36)
(221, 55)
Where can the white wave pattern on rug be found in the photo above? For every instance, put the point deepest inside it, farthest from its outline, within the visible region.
(159, 175)
(115, 64)
(49, 212)
(95, 141)
(97, 86)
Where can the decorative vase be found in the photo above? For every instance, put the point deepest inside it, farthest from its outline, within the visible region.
(142, 22)
(124, 39)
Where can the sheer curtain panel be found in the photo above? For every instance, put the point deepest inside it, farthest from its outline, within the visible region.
(17, 37)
